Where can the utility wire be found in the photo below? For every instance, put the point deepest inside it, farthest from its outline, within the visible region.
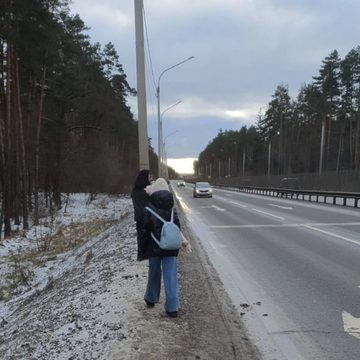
(148, 50)
(150, 94)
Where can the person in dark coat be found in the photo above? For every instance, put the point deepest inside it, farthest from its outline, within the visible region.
(140, 199)
(160, 261)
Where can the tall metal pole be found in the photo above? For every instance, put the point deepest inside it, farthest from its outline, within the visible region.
(160, 140)
(164, 160)
(159, 130)
(243, 164)
(322, 145)
(269, 158)
(161, 124)
(141, 88)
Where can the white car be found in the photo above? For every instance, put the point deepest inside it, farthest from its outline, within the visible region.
(181, 183)
(202, 189)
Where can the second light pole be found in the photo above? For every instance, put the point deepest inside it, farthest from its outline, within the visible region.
(160, 141)
(161, 123)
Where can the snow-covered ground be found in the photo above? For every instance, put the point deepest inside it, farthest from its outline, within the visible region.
(45, 314)
(71, 289)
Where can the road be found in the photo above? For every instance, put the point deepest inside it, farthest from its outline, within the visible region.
(291, 268)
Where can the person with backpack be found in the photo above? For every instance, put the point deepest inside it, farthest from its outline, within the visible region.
(160, 240)
(140, 198)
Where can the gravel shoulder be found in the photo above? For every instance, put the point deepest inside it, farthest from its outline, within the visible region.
(214, 328)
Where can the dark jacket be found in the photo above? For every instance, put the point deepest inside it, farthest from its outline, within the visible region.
(138, 195)
(161, 202)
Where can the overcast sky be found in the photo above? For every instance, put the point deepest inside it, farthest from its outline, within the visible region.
(243, 50)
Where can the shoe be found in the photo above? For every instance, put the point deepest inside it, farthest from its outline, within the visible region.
(149, 304)
(172, 314)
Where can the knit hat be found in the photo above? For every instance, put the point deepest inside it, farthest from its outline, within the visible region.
(158, 185)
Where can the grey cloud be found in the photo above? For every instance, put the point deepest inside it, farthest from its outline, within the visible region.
(243, 49)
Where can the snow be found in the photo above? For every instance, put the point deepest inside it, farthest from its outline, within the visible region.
(79, 300)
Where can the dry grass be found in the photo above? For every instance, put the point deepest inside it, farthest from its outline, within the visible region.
(65, 239)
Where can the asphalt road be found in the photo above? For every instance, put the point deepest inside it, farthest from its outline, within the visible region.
(291, 268)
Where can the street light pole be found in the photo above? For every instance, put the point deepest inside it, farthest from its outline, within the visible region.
(160, 141)
(322, 145)
(269, 158)
(243, 164)
(161, 121)
(166, 172)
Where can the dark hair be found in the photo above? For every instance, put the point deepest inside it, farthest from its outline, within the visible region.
(142, 180)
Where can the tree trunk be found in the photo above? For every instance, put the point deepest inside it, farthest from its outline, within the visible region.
(22, 155)
(338, 164)
(37, 149)
(2, 138)
(326, 165)
(7, 173)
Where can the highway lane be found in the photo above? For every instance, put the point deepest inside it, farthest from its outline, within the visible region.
(296, 264)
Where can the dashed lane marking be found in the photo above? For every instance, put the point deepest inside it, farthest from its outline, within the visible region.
(282, 207)
(351, 324)
(269, 214)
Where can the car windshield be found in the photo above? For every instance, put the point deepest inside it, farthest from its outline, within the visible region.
(203, 185)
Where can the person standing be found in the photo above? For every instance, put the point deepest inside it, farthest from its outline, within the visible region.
(140, 199)
(161, 262)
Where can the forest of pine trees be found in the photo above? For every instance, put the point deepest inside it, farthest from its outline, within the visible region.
(64, 122)
(65, 125)
(289, 135)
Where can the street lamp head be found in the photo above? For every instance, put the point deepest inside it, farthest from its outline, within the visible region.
(170, 107)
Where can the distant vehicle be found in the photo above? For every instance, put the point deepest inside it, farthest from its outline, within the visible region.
(181, 183)
(202, 189)
(289, 183)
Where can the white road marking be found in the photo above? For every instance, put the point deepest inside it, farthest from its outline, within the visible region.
(282, 225)
(252, 226)
(212, 207)
(269, 214)
(332, 234)
(282, 207)
(237, 204)
(351, 324)
(217, 208)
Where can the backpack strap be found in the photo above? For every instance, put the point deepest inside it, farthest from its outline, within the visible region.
(158, 216)
(161, 219)
(155, 214)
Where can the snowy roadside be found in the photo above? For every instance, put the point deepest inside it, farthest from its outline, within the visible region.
(79, 303)
(87, 302)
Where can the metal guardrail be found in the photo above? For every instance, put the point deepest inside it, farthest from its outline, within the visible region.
(308, 195)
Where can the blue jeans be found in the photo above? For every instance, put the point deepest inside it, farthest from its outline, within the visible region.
(168, 265)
